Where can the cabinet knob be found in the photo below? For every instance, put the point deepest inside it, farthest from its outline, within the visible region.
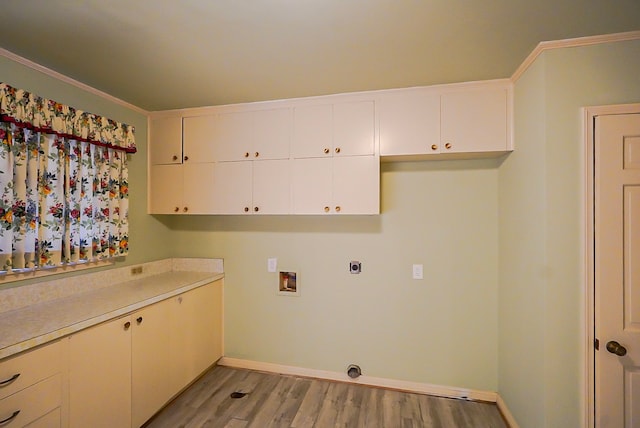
(127, 325)
(176, 209)
(337, 149)
(338, 208)
(434, 147)
(246, 209)
(256, 209)
(139, 320)
(246, 154)
(447, 146)
(326, 209)
(326, 151)
(185, 209)
(175, 158)
(186, 158)
(257, 154)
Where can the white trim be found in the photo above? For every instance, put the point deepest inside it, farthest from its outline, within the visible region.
(590, 113)
(66, 79)
(506, 414)
(400, 385)
(567, 43)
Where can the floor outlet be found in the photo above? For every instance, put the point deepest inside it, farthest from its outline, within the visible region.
(418, 272)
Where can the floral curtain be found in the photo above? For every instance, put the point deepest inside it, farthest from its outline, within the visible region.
(63, 183)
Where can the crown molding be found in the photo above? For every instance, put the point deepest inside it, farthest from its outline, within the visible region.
(66, 79)
(568, 43)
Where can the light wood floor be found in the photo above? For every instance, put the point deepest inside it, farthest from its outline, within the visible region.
(286, 401)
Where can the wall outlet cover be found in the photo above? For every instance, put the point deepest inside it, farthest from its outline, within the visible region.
(272, 264)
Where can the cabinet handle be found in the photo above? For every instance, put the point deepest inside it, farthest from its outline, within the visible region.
(139, 320)
(338, 208)
(175, 158)
(326, 151)
(180, 299)
(246, 209)
(257, 154)
(11, 379)
(186, 158)
(185, 209)
(326, 209)
(246, 154)
(337, 149)
(434, 147)
(176, 209)
(10, 418)
(256, 209)
(447, 146)
(127, 325)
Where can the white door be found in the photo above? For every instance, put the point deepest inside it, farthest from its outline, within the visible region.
(617, 270)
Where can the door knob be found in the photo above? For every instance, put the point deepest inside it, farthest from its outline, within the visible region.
(616, 348)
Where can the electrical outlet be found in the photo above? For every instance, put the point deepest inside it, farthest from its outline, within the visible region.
(136, 270)
(272, 264)
(418, 272)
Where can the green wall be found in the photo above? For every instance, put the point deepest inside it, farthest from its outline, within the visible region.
(542, 219)
(441, 330)
(148, 237)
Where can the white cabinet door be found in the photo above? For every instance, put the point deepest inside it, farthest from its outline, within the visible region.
(272, 187)
(341, 185)
(353, 128)
(272, 133)
(100, 376)
(165, 137)
(152, 366)
(199, 133)
(198, 196)
(196, 333)
(474, 120)
(234, 136)
(231, 189)
(312, 131)
(409, 123)
(356, 185)
(165, 189)
(311, 185)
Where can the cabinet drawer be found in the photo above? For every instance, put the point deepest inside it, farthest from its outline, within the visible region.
(29, 368)
(50, 420)
(32, 403)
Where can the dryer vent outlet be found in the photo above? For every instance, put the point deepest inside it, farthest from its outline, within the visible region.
(353, 371)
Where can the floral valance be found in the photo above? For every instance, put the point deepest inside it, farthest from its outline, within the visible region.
(40, 114)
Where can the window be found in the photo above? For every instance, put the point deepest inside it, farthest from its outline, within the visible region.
(63, 184)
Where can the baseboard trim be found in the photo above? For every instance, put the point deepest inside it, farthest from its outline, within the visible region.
(400, 385)
(506, 414)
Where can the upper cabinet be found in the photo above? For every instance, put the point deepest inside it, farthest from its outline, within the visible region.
(339, 129)
(464, 121)
(165, 133)
(319, 155)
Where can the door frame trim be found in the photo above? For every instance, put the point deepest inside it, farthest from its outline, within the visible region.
(590, 113)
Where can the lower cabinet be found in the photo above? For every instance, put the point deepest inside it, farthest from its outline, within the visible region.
(123, 371)
(100, 375)
(32, 388)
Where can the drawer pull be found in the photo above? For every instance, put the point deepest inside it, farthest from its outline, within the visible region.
(11, 379)
(10, 418)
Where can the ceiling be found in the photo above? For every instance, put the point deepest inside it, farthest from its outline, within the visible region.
(165, 54)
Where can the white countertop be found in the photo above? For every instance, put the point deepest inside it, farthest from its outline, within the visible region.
(33, 325)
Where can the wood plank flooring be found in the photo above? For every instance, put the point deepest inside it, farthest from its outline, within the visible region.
(281, 401)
